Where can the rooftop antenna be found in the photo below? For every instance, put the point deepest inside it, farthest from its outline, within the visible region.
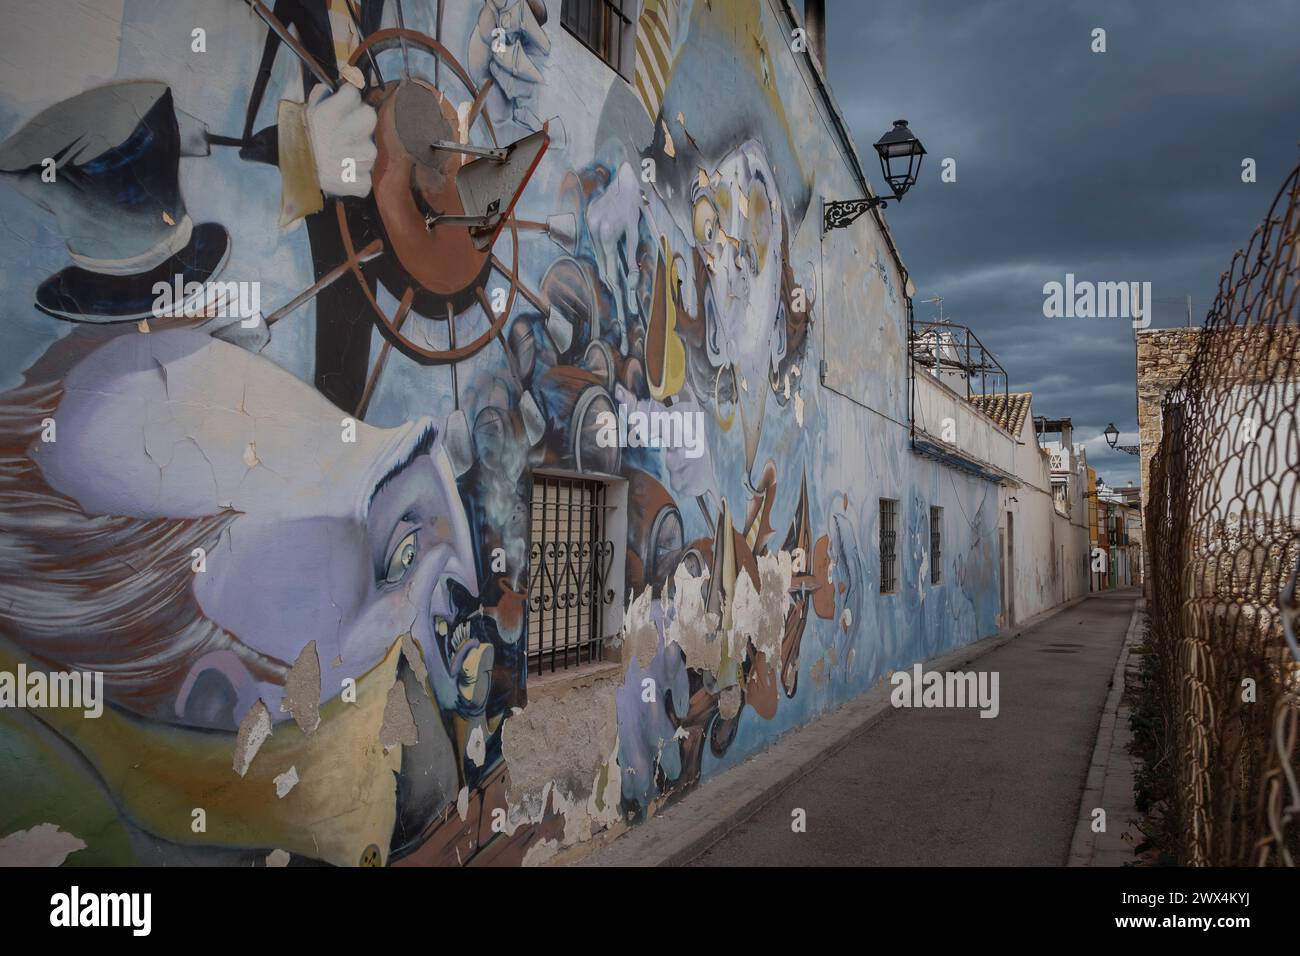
(935, 349)
(939, 300)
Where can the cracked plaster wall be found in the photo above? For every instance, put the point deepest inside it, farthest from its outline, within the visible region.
(393, 722)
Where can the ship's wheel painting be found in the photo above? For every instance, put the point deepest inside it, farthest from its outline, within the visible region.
(438, 225)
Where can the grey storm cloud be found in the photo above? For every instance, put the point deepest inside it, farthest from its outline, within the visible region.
(1116, 166)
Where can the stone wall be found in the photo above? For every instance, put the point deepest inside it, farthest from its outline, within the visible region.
(1163, 355)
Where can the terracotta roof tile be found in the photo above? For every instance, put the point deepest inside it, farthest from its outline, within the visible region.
(1008, 411)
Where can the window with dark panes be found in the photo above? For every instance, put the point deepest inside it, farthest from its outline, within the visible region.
(888, 545)
(603, 27)
(936, 545)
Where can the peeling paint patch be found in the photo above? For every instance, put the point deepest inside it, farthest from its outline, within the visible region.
(399, 723)
(43, 845)
(640, 632)
(415, 661)
(540, 852)
(758, 614)
(563, 740)
(254, 729)
(286, 782)
(691, 625)
(302, 690)
(476, 749)
(729, 702)
(669, 149)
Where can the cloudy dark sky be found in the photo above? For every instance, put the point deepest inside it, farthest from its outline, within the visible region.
(1115, 166)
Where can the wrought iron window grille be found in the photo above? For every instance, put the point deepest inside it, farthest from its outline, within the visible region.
(569, 564)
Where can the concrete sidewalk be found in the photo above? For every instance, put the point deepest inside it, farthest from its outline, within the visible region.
(884, 786)
(1111, 781)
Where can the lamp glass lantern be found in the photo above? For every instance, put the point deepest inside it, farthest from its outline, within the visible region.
(900, 158)
(1112, 434)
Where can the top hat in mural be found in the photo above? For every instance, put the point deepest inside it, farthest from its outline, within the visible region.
(106, 163)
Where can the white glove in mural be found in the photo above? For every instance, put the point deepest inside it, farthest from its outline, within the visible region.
(341, 128)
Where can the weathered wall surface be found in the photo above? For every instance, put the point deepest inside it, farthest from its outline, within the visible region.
(302, 564)
(1051, 549)
(1047, 551)
(938, 409)
(1163, 355)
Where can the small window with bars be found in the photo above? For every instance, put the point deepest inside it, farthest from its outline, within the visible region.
(569, 561)
(888, 545)
(602, 27)
(936, 545)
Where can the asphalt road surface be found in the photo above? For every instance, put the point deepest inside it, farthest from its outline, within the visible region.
(945, 787)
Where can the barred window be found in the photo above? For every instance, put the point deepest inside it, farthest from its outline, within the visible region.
(888, 545)
(936, 545)
(602, 27)
(568, 572)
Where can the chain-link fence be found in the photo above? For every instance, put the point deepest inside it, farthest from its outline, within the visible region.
(1224, 525)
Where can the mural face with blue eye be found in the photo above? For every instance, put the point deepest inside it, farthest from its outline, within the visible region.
(352, 540)
(400, 561)
(349, 544)
(736, 221)
(425, 583)
(737, 224)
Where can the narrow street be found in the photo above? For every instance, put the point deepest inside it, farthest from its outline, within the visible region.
(601, 437)
(945, 787)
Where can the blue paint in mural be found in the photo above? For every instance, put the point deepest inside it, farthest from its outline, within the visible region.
(356, 464)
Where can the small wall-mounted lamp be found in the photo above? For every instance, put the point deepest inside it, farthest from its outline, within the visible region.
(900, 162)
(1112, 436)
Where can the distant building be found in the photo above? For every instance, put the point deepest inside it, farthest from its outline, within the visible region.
(1117, 537)
(1043, 546)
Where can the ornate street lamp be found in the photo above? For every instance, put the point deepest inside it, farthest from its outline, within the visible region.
(900, 162)
(1112, 436)
(900, 158)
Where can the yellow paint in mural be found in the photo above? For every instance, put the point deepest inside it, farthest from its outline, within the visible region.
(663, 29)
(665, 354)
(659, 33)
(345, 801)
(300, 193)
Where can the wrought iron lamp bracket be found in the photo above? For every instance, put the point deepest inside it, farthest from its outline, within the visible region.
(841, 212)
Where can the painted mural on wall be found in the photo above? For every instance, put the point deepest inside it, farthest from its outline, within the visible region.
(267, 448)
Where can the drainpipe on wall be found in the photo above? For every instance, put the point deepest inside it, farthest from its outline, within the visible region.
(846, 138)
(818, 73)
(911, 371)
(814, 20)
